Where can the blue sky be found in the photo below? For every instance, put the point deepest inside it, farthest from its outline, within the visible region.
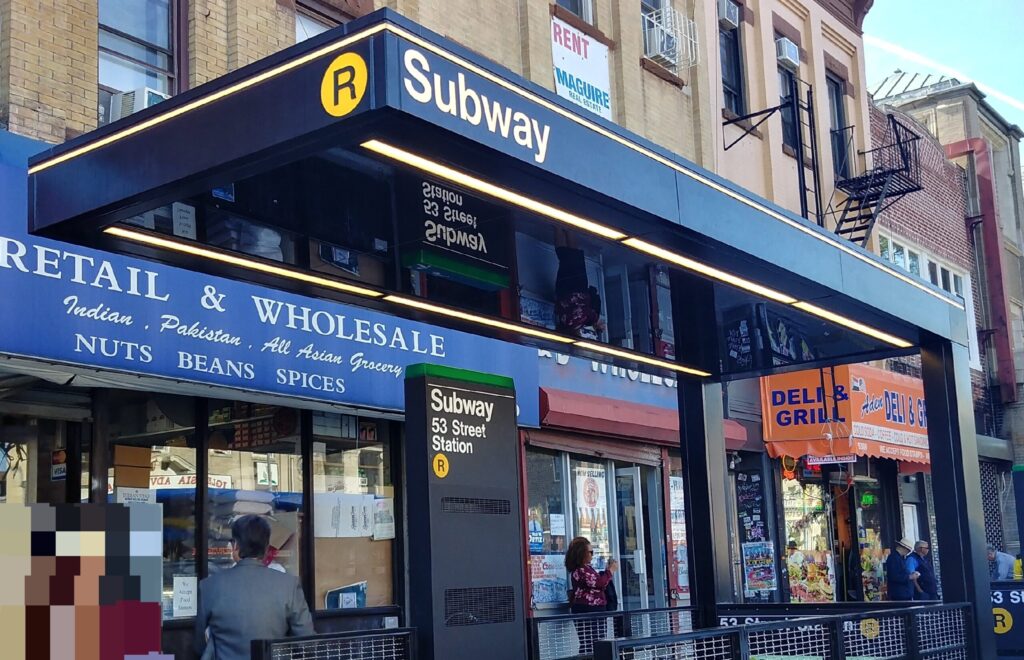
(977, 40)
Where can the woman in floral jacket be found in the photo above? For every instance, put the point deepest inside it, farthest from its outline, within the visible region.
(587, 591)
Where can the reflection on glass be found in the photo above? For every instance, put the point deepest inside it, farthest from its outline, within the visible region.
(147, 20)
(353, 512)
(590, 495)
(255, 467)
(809, 561)
(165, 474)
(869, 540)
(679, 568)
(125, 76)
(546, 528)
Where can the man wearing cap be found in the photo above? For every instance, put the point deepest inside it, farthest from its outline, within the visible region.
(898, 579)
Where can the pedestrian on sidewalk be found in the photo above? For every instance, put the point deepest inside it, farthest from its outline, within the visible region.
(897, 578)
(1003, 569)
(249, 601)
(926, 587)
(587, 591)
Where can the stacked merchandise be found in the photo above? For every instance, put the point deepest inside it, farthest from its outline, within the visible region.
(227, 506)
(239, 235)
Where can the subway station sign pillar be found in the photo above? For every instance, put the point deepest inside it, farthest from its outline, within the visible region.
(465, 541)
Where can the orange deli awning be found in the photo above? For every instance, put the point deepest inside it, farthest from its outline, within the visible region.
(867, 412)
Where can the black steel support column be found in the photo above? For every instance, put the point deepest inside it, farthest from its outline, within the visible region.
(99, 458)
(702, 444)
(958, 510)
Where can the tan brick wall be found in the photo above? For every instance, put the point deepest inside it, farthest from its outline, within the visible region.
(207, 40)
(48, 57)
(48, 67)
(257, 28)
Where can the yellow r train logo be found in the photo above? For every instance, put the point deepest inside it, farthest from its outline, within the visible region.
(343, 84)
(1004, 620)
(441, 466)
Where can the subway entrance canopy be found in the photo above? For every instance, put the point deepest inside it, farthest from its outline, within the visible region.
(422, 119)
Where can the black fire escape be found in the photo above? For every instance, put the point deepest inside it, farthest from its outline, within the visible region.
(895, 171)
(867, 190)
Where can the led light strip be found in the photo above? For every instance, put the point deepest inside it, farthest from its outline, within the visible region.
(214, 255)
(178, 246)
(473, 318)
(474, 183)
(664, 364)
(653, 155)
(206, 100)
(490, 189)
(853, 325)
(709, 271)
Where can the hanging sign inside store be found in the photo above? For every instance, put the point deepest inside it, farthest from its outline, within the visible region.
(58, 465)
(581, 68)
(96, 310)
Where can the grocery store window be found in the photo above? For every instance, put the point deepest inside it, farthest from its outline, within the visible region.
(153, 459)
(137, 63)
(353, 512)
(255, 467)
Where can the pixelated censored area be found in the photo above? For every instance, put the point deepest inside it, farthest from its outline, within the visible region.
(82, 581)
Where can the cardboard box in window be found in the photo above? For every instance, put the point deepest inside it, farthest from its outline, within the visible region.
(131, 477)
(347, 263)
(133, 456)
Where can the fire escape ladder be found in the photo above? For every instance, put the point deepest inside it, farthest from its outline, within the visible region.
(894, 173)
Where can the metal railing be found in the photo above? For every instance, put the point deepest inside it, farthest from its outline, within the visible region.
(390, 644)
(899, 157)
(916, 633)
(565, 636)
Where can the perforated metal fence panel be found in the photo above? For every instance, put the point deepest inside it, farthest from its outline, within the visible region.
(398, 644)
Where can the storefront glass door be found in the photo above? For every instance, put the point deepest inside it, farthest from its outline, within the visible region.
(809, 560)
(632, 551)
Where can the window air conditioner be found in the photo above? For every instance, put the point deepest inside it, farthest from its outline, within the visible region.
(728, 15)
(660, 41)
(787, 53)
(123, 104)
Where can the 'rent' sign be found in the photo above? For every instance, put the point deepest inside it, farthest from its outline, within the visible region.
(581, 68)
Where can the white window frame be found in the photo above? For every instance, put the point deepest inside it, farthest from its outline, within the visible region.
(925, 261)
(586, 10)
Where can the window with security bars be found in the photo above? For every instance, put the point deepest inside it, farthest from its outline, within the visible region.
(477, 606)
